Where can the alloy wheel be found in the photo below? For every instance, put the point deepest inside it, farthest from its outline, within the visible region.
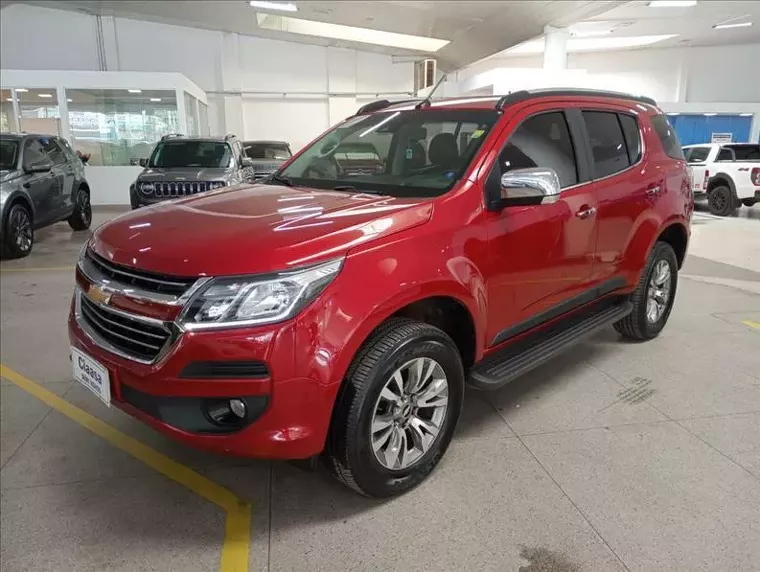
(658, 291)
(85, 208)
(409, 413)
(21, 229)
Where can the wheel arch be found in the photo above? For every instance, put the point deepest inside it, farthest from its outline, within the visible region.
(677, 237)
(720, 179)
(18, 198)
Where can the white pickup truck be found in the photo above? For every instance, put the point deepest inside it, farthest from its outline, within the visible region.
(729, 174)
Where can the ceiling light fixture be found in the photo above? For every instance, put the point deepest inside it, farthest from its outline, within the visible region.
(21, 90)
(69, 100)
(45, 95)
(746, 114)
(675, 113)
(709, 114)
(134, 90)
(284, 6)
(156, 99)
(348, 33)
(727, 26)
(672, 3)
(9, 99)
(590, 33)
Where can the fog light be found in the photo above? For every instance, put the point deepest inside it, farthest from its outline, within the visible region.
(237, 407)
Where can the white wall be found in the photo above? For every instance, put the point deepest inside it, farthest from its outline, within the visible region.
(310, 87)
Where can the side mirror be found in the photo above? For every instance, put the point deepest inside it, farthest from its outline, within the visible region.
(246, 162)
(143, 162)
(41, 166)
(524, 187)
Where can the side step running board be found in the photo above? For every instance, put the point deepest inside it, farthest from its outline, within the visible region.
(534, 350)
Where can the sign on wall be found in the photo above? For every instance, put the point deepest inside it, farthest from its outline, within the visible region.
(721, 138)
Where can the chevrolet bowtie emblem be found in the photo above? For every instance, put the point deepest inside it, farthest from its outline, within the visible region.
(98, 295)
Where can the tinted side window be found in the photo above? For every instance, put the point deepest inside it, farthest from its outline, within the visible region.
(632, 136)
(607, 143)
(542, 141)
(697, 154)
(54, 152)
(725, 154)
(33, 152)
(667, 136)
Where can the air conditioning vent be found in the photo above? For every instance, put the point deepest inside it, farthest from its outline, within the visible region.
(424, 74)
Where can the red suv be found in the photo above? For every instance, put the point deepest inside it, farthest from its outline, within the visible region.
(342, 313)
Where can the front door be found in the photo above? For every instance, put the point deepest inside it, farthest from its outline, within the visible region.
(541, 256)
(43, 186)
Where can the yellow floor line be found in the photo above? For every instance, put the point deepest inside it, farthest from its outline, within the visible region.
(40, 269)
(751, 324)
(237, 528)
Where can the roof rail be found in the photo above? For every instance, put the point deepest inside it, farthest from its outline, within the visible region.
(171, 136)
(517, 96)
(230, 136)
(381, 104)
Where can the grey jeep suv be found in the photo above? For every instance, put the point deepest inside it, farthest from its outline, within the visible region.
(180, 166)
(267, 156)
(41, 182)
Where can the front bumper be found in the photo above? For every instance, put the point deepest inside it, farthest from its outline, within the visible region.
(288, 413)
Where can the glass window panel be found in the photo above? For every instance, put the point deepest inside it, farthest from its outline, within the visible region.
(191, 115)
(117, 127)
(203, 119)
(7, 118)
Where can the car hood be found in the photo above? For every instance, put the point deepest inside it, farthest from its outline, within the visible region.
(183, 174)
(252, 229)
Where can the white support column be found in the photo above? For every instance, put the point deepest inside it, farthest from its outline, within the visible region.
(555, 50)
(181, 111)
(63, 113)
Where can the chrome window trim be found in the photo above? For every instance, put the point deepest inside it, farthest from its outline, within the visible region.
(107, 346)
(110, 286)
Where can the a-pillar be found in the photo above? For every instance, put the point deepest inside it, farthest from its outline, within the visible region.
(555, 50)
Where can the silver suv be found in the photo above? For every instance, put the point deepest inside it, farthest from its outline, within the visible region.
(41, 182)
(181, 166)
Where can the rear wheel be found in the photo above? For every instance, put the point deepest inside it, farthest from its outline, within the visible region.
(18, 236)
(653, 298)
(397, 410)
(81, 218)
(721, 201)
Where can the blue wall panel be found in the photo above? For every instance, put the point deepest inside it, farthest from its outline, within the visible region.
(694, 129)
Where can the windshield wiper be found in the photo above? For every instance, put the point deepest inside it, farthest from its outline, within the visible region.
(282, 179)
(352, 189)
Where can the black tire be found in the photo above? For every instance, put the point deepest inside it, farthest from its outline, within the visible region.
(749, 202)
(349, 454)
(81, 218)
(721, 201)
(636, 326)
(18, 232)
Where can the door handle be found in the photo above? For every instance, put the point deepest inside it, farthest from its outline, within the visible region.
(652, 191)
(586, 212)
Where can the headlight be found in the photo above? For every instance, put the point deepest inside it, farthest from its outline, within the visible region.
(252, 300)
(215, 185)
(147, 188)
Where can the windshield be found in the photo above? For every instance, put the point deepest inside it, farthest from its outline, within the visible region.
(262, 150)
(204, 154)
(415, 153)
(8, 154)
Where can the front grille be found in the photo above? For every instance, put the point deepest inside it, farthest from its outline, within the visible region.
(171, 189)
(148, 281)
(132, 337)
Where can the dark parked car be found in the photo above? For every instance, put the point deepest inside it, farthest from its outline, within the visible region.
(181, 166)
(267, 156)
(41, 182)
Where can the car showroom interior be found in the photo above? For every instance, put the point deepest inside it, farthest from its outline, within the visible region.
(301, 286)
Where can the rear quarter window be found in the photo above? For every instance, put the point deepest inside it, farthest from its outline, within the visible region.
(697, 154)
(667, 136)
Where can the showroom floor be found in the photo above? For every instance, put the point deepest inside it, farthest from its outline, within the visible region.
(616, 456)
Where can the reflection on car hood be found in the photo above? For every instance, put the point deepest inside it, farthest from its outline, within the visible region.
(183, 174)
(9, 174)
(253, 229)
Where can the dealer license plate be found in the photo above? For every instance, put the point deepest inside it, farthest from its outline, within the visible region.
(92, 375)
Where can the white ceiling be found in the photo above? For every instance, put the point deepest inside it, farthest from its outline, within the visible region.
(691, 26)
(476, 29)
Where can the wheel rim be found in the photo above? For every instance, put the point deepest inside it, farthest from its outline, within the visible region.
(658, 291)
(85, 209)
(719, 201)
(22, 230)
(409, 413)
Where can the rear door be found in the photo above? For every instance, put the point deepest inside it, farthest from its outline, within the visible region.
(65, 175)
(625, 185)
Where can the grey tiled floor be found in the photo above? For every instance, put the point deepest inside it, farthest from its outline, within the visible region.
(616, 456)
